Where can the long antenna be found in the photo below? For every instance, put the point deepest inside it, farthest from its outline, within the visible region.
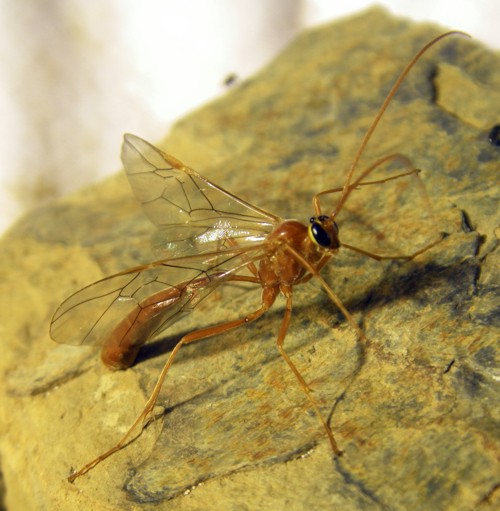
(346, 189)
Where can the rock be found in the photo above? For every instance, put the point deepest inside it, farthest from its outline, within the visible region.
(415, 410)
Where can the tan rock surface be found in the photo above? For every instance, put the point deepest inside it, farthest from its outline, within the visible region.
(416, 413)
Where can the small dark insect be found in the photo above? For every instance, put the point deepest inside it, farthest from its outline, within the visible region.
(494, 136)
(213, 237)
(230, 79)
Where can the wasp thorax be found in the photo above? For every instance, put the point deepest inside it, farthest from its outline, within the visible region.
(323, 231)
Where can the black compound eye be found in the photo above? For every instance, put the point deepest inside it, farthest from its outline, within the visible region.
(323, 218)
(320, 236)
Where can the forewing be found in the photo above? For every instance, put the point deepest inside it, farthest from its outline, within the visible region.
(90, 315)
(192, 214)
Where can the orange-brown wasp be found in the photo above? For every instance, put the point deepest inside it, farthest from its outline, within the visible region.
(211, 237)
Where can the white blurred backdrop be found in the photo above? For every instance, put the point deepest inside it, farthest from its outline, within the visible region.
(76, 74)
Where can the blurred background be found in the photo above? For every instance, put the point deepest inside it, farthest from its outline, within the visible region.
(76, 74)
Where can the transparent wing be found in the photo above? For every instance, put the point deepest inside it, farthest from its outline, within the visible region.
(165, 290)
(192, 214)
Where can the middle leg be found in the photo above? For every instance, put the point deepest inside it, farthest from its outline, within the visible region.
(305, 387)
